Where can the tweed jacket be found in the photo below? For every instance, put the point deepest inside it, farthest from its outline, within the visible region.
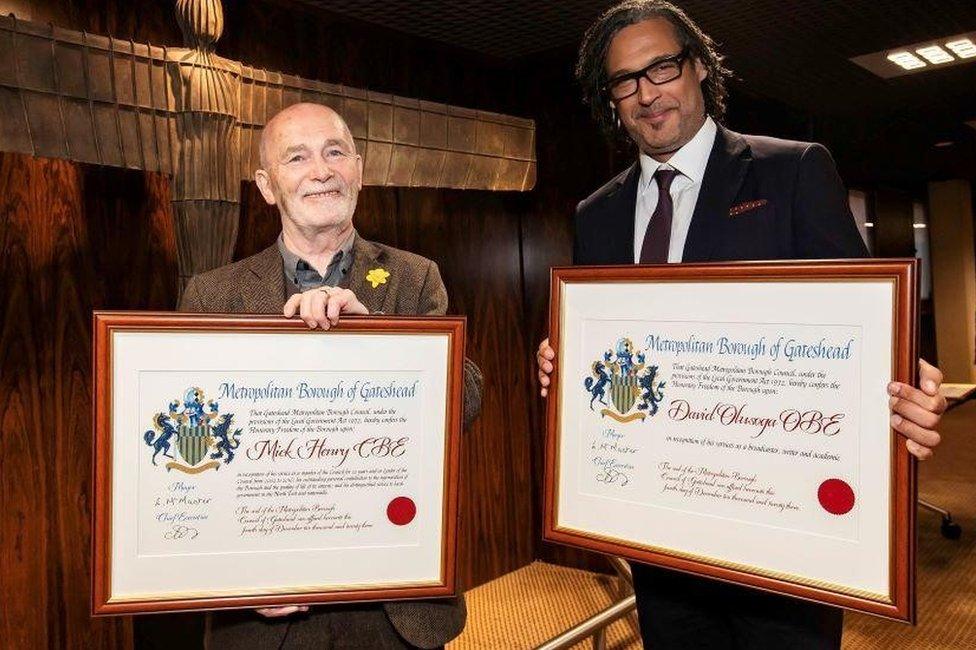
(256, 285)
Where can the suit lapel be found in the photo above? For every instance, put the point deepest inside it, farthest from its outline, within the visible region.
(366, 257)
(619, 222)
(724, 173)
(264, 290)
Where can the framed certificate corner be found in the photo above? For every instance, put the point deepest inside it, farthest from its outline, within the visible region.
(731, 421)
(247, 461)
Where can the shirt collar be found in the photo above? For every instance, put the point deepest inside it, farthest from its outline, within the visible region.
(290, 260)
(690, 160)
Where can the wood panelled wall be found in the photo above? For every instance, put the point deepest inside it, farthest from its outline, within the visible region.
(74, 238)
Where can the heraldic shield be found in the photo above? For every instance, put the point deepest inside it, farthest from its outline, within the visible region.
(202, 434)
(624, 392)
(193, 442)
(630, 380)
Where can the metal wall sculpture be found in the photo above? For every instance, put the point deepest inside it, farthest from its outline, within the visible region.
(194, 115)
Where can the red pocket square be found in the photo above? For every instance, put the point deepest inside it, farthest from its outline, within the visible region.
(747, 206)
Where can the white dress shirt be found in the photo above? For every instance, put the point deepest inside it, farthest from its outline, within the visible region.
(689, 161)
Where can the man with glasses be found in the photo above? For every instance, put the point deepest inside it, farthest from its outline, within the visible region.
(702, 193)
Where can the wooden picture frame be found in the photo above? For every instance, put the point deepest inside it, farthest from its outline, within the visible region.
(136, 352)
(703, 531)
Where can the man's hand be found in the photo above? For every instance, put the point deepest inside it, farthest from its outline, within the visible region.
(321, 307)
(278, 612)
(916, 413)
(544, 357)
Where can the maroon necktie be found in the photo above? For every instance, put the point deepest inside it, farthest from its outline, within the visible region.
(657, 238)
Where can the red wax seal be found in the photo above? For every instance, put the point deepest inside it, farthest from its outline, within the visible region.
(836, 496)
(401, 511)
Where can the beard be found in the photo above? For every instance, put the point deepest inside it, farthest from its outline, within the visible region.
(328, 205)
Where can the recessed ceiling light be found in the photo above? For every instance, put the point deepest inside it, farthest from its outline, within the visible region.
(907, 60)
(945, 143)
(964, 48)
(917, 58)
(935, 54)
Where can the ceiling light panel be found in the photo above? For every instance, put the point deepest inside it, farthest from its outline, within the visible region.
(921, 57)
(906, 60)
(964, 48)
(935, 54)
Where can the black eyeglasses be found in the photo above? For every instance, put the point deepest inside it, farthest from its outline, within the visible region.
(659, 72)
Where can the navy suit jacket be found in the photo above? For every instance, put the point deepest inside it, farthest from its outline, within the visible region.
(790, 200)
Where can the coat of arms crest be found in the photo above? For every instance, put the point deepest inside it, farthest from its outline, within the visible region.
(201, 433)
(630, 382)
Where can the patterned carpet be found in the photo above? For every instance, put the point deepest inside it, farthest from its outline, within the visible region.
(531, 605)
(528, 606)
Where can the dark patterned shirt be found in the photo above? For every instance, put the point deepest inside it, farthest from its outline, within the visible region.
(301, 276)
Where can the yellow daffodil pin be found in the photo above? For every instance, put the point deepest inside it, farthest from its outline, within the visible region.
(376, 277)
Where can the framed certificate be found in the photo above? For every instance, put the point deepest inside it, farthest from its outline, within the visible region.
(732, 421)
(247, 461)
